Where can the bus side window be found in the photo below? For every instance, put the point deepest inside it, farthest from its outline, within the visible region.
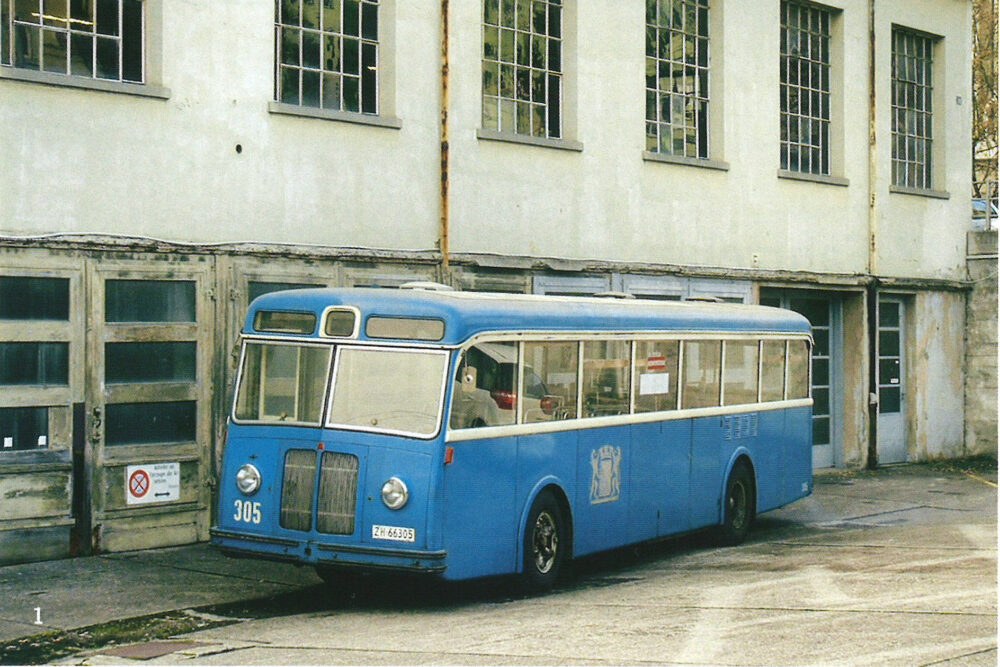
(739, 377)
(550, 381)
(772, 375)
(798, 369)
(483, 394)
(702, 360)
(606, 378)
(655, 383)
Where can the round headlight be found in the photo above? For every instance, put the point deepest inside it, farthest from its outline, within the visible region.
(394, 493)
(247, 479)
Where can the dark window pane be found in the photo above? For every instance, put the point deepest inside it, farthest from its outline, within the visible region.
(352, 18)
(888, 399)
(34, 363)
(150, 362)
(888, 343)
(888, 371)
(822, 338)
(132, 39)
(107, 59)
(821, 431)
(821, 372)
(23, 428)
(821, 401)
(369, 67)
(817, 311)
(888, 314)
(107, 17)
(34, 298)
(82, 55)
(256, 289)
(369, 21)
(143, 423)
(149, 301)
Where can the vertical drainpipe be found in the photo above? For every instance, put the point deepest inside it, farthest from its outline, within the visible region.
(871, 291)
(443, 229)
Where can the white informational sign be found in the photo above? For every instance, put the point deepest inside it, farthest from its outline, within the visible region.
(152, 483)
(654, 383)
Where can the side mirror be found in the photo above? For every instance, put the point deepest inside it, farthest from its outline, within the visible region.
(469, 374)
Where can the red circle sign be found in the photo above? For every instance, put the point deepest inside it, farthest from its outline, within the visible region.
(138, 483)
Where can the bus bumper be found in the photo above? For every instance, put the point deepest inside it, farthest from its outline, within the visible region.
(305, 552)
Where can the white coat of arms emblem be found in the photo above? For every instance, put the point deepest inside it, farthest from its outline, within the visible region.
(605, 485)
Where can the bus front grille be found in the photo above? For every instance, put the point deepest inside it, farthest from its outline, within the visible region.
(298, 482)
(338, 488)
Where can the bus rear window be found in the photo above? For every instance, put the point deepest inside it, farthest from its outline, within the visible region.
(280, 321)
(410, 328)
(282, 383)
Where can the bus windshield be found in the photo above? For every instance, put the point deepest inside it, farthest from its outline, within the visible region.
(282, 382)
(375, 389)
(388, 389)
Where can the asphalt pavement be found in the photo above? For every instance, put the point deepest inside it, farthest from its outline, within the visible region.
(49, 598)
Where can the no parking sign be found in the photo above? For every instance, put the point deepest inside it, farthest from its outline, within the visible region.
(152, 483)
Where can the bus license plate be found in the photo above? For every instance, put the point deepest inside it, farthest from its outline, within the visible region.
(395, 533)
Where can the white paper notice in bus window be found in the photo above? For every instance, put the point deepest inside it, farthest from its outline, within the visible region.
(654, 383)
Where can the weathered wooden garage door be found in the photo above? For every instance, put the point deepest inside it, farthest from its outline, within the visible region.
(149, 390)
(41, 394)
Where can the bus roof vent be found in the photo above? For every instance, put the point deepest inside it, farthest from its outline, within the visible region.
(615, 295)
(428, 286)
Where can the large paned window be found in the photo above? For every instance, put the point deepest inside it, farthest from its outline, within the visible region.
(327, 54)
(131, 364)
(702, 373)
(677, 66)
(522, 67)
(655, 384)
(34, 363)
(29, 298)
(23, 429)
(96, 39)
(605, 385)
(550, 381)
(35, 371)
(912, 113)
(740, 372)
(805, 88)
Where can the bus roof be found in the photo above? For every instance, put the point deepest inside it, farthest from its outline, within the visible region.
(466, 314)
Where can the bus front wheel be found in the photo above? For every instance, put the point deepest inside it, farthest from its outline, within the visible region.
(545, 544)
(738, 507)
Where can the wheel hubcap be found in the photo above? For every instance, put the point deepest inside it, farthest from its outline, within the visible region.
(738, 505)
(545, 542)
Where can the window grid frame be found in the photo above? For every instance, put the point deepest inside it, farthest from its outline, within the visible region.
(810, 114)
(694, 105)
(500, 111)
(46, 26)
(912, 108)
(368, 87)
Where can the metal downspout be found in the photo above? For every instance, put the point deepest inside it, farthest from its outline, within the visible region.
(871, 291)
(443, 228)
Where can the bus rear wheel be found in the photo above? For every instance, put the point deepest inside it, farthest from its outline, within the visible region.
(739, 501)
(545, 544)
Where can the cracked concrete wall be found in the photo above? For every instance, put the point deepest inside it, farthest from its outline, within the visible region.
(981, 346)
(935, 377)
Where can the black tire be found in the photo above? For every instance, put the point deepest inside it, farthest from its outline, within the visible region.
(738, 505)
(546, 542)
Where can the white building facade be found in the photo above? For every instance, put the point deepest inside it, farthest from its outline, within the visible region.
(164, 162)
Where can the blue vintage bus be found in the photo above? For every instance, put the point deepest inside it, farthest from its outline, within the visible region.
(469, 434)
